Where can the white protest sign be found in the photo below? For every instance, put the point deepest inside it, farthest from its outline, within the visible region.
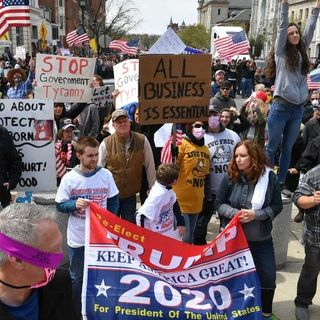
(64, 79)
(126, 77)
(30, 123)
(102, 95)
(20, 53)
(169, 42)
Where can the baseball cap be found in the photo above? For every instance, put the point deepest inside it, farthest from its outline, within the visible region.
(118, 113)
(214, 109)
(262, 95)
(66, 123)
(219, 71)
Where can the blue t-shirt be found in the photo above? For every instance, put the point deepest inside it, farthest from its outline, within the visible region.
(29, 310)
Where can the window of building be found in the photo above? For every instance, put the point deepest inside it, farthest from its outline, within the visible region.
(306, 13)
(60, 3)
(19, 36)
(219, 12)
(292, 16)
(55, 33)
(34, 32)
(300, 14)
(61, 20)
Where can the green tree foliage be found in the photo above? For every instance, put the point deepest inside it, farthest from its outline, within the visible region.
(195, 36)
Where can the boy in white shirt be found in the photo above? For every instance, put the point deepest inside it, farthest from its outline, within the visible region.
(161, 212)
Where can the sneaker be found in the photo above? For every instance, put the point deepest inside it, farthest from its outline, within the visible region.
(299, 217)
(302, 313)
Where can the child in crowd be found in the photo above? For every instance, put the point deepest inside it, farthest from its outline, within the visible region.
(161, 212)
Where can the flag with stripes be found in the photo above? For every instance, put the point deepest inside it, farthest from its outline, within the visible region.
(313, 79)
(232, 45)
(14, 13)
(77, 37)
(166, 152)
(127, 47)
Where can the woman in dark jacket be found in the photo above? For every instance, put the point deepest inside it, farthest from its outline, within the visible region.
(252, 189)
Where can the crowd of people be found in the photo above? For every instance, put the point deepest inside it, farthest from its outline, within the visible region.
(240, 161)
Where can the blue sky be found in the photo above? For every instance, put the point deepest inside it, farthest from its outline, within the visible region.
(156, 14)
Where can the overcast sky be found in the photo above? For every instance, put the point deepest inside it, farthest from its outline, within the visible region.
(156, 14)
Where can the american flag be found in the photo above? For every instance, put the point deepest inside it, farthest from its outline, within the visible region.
(14, 13)
(232, 45)
(129, 47)
(313, 79)
(76, 37)
(166, 152)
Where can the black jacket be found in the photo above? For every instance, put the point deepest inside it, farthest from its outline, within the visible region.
(55, 300)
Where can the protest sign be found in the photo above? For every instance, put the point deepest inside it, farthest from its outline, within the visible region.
(102, 96)
(64, 79)
(169, 42)
(126, 76)
(174, 88)
(134, 273)
(30, 123)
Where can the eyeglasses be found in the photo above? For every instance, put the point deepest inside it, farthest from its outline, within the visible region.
(198, 125)
(223, 89)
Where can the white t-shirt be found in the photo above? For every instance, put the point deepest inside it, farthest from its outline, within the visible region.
(221, 145)
(98, 188)
(158, 209)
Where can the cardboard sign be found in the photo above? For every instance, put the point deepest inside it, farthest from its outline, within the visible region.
(174, 88)
(30, 124)
(64, 79)
(126, 76)
(102, 96)
(134, 273)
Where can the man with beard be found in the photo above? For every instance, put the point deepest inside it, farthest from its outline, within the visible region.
(20, 85)
(84, 183)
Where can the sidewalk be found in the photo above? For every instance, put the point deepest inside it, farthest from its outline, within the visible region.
(287, 277)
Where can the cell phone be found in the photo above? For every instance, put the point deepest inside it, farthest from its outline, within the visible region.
(75, 135)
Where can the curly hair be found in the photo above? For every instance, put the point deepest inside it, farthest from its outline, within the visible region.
(291, 56)
(258, 162)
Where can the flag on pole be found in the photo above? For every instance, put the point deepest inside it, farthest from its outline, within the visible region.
(166, 151)
(129, 47)
(232, 45)
(77, 37)
(14, 13)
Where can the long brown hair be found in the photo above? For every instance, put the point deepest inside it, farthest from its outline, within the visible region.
(292, 57)
(258, 162)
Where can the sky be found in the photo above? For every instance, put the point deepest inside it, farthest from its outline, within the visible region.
(156, 14)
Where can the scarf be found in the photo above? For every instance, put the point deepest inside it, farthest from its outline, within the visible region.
(62, 163)
(260, 190)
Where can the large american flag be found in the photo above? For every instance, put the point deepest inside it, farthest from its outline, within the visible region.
(14, 13)
(166, 152)
(77, 37)
(129, 47)
(232, 45)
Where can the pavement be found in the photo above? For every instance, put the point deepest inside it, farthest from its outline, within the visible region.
(287, 276)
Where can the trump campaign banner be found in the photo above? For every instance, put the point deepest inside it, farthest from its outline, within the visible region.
(133, 273)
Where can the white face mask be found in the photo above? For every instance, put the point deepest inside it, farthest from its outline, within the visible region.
(198, 133)
(315, 103)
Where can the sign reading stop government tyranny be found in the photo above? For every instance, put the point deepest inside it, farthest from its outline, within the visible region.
(174, 88)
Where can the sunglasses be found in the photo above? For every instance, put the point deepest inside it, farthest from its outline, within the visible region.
(198, 125)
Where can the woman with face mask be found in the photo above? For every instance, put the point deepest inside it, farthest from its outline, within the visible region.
(194, 162)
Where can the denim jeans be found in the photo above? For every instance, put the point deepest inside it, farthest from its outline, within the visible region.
(76, 256)
(264, 260)
(190, 221)
(127, 209)
(200, 232)
(284, 122)
(307, 283)
(246, 87)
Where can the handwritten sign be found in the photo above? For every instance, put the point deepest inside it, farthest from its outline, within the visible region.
(126, 76)
(30, 124)
(174, 88)
(169, 42)
(64, 79)
(102, 96)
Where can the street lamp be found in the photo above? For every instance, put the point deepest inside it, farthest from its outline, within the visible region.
(82, 4)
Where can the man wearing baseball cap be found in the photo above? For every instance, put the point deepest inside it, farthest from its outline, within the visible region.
(124, 153)
(218, 78)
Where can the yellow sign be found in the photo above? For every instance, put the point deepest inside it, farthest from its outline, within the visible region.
(5, 37)
(43, 31)
(93, 45)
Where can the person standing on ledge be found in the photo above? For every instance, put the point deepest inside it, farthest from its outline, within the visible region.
(290, 65)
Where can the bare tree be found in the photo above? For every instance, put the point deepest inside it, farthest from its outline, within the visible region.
(112, 17)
